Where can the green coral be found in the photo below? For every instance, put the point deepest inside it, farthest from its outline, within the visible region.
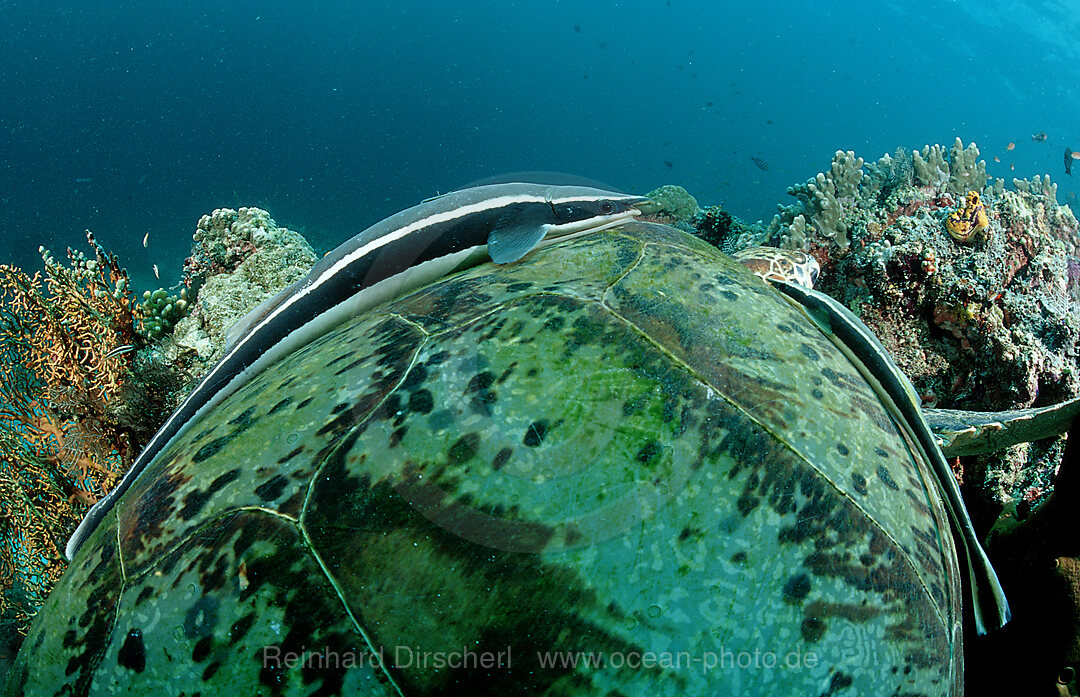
(159, 312)
(670, 201)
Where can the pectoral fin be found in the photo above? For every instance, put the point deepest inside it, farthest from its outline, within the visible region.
(510, 240)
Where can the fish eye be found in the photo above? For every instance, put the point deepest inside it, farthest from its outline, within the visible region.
(605, 206)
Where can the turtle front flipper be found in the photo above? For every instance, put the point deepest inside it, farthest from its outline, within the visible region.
(977, 432)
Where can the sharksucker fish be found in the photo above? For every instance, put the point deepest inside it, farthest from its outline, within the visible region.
(500, 222)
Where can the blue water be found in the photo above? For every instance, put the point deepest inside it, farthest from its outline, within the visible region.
(135, 118)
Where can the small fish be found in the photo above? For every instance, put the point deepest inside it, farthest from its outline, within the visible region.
(145, 239)
(997, 159)
(156, 273)
(1010, 146)
(761, 164)
(118, 351)
(1076, 155)
(1068, 161)
(1012, 165)
(1039, 137)
(668, 164)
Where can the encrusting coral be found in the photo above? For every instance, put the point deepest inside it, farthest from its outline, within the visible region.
(240, 259)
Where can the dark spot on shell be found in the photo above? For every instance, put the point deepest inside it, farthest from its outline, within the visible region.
(195, 501)
(842, 449)
(291, 455)
(144, 595)
(746, 503)
(240, 627)
(210, 449)
(555, 323)
(866, 559)
(437, 358)
(809, 352)
(421, 402)
(202, 649)
(648, 452)
(812, 630)
(415, 378)
(858, 482)
(464, 449)
(201, 617)
(881, 453)
(534, 434)
(884, 475)
(840, 681)
(132, 654)
(784, 328)
(818, 394)
(303, 404)
(272, 489)
(506, 373)
(211, 670)
(738, 558)
(519, 286)
(243, 421)
(501, 458)
(280, 405)
(352, 365)
(684, 534)
(480, 381)
(728, 295)
(832, 376)
(397, 435)
(340, 408)
(796, 588)
(338, 359)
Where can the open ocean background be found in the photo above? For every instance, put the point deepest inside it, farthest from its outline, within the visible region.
(130, 118)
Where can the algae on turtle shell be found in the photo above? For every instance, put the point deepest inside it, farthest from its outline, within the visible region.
(624, 445)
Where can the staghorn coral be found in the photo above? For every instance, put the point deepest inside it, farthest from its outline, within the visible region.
(59, 449)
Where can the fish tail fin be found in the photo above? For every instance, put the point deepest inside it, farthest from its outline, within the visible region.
(988, 602)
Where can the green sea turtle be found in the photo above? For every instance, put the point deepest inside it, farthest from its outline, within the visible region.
(621, 464)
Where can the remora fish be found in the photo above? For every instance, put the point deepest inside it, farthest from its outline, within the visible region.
(410, 249)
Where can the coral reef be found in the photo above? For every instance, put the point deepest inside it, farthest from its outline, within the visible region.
(60, 450)
(159, 312)
(987, 325)
(88, 375)
(240, 259)
(671, 203)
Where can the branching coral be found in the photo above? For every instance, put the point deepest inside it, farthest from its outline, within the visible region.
(59, 450)
(962, 172)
